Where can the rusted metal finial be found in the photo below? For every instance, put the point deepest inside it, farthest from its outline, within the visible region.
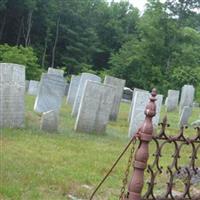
(142, 154)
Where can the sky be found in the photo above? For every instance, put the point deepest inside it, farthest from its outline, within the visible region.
(140, 4)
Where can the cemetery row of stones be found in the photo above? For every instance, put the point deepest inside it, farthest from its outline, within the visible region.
(93, 103)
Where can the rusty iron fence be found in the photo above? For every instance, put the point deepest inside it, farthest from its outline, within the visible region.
(149, 164)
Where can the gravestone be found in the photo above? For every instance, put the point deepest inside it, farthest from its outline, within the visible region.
(94, 111)
(50, 93)
(79, 94)
(33, 87)
(73, 87)
(159, 101)
(49, 121)
(132, 102)
(186, 113)
(166, 101)
(187, 97)
(196, 123)
(54, 71)
(12, 91)
(140, 100)
(139, 104)
(119, 85)
(27, 85)
(172, 100)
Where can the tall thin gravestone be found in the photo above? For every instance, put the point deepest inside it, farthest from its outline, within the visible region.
(12, 91)
(73, 87)
(79, 94)
(94, 111)
(140, 101)
(50, 94)
(186, 113)
(33, 87)
(119, 84)
(172, 100)
(187, 97)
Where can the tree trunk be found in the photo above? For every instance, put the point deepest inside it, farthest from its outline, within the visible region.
(44, 52)
(20, 31)
(29, 24)
(55, 43)
(2, 27)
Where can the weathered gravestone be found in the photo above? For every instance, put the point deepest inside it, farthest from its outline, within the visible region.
(50, 94)
(132, 102)
(33, 87)
(94, 111)
(141, 99)
(12, 90)
(196, 123)
(159, 101)
(166, 101)
(58, 72)
(172, 100)
(187, 97)
(49, 121)
(119, 85)
(73, 87)
(79, 94)
(186, 113)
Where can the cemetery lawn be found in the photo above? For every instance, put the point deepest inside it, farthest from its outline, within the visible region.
(35, 165)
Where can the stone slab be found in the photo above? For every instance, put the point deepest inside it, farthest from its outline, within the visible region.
(119, 85)
(50, 93)
(79, 94)
(186, 113)
(140, 101)
(49, 121)
(73, 88)
(187, 97)
(94, 111)
(172, 100)
(12, 91)
(54, 71)
(33, 87)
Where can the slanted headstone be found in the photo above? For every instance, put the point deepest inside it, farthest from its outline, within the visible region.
(187, 96)
(58, 72)
(186, 113)
(50, 93)
(27, 85)
(132, 102)
(49, 121)
(94, 111)
(73, 87)
(159, 101)
(119, 85)
(79, 94)
(140, 101)
(172, 100)
(12, 90)
(33, 87)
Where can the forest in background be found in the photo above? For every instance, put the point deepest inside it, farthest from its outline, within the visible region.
(159, 48)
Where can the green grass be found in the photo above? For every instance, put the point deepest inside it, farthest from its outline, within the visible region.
(37, 165)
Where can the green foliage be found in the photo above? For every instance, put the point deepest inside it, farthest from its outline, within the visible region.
(23, 56)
